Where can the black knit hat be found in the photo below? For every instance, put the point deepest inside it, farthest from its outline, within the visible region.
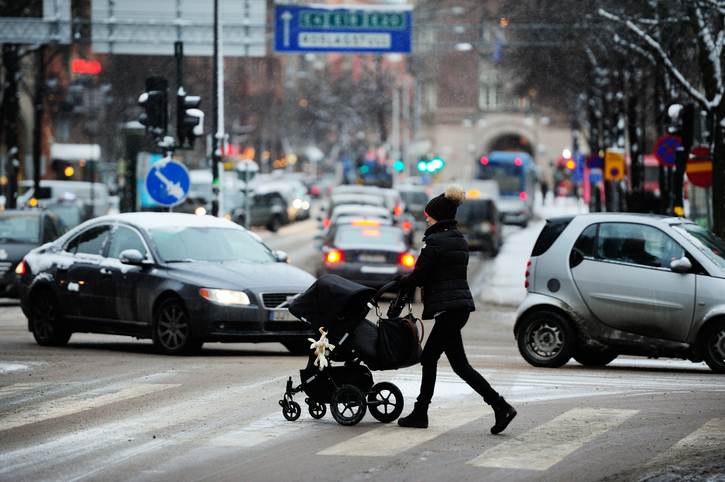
(444, 206)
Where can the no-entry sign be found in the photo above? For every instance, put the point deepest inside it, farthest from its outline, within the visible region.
(699, 167)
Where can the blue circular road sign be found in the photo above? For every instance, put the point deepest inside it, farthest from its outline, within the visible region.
(665, 149)
(167, 182)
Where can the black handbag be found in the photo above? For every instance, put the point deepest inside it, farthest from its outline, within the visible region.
(399, 342)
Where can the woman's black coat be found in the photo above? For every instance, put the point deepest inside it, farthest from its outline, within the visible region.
(441, 271)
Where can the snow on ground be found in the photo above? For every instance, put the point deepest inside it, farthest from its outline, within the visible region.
(505, 284)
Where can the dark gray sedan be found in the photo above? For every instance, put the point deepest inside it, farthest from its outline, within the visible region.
(177, 278)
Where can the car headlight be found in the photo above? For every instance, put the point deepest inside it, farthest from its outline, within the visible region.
(225, 297)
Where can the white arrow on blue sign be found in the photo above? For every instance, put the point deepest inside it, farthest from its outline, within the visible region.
(168, 182)
(359, 28)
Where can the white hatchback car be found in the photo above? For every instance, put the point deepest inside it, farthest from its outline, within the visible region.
(604, 284)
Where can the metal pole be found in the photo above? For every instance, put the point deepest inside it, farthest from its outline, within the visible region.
(216, 140)
(39, 108)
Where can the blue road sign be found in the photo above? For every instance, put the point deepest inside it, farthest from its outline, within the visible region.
(595, 175)
(665, 149)
(357, 29)
(578, 174)
(167, 182)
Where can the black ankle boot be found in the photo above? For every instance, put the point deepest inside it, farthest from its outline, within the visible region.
(504, 414)
(418, 418)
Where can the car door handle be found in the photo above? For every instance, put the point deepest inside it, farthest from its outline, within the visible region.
(106, 272)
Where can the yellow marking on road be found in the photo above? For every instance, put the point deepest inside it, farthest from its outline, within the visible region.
(249, 435)
(548, 444)
(706, 439)
(78, 403)
(390, 439)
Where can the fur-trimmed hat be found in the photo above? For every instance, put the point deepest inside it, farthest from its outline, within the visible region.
(444, 206)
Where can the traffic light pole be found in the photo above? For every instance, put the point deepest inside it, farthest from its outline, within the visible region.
(216, 127)
(681, 156)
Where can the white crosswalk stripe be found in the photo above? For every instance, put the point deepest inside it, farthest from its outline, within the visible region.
(710, 437)
(389, 440)
(546, 445)
(249, 435)
(79, 403)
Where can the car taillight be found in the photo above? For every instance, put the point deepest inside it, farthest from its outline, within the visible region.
(20, 268)
(526, 283)
(407, 260)
(398, 210)
(523, 196)
(407, 226)
(334, 257)
(326, 223)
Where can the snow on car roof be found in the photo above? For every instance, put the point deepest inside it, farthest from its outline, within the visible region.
(150, 220)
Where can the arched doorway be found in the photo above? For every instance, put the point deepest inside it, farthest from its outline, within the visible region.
(511, 142)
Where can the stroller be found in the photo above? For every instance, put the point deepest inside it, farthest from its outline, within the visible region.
(337, 308)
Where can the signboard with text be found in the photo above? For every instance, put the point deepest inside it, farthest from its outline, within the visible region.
(348, 30)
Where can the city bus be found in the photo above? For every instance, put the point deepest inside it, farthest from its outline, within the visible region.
(516, 176)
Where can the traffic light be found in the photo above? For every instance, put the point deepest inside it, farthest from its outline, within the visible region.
(155, 102)
(189, 119)
(431, 166)
(682, 120)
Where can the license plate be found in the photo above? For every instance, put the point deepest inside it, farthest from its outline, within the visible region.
(372, 258)
(281, 315)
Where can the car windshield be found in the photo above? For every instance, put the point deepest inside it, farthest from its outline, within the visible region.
(69, 213)
(709, 244)
(20, 228)
(414, 197)
(369, 236)
(471, 211)
(176, 244)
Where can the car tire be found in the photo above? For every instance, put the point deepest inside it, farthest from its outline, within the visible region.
(274, 224)
(594, 358)
(46, 320)
(545, 338)
(713, 346)
(172, 330)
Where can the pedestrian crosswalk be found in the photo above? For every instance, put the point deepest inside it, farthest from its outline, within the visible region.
(221, 419)
(544, 446)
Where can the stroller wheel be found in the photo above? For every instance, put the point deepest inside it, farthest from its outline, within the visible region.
(291, 410)
(385, 401)
(317, 409)
(348, 405)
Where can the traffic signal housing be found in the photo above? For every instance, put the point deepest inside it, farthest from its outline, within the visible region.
(155, 103)
(189, 119)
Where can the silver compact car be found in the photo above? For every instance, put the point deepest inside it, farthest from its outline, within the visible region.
(600, 285)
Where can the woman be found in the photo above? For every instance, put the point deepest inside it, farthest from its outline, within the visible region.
(441, 271)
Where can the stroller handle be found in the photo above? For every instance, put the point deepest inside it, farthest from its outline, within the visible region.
(374, 300)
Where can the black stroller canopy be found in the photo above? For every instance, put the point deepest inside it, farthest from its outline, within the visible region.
(332, 300)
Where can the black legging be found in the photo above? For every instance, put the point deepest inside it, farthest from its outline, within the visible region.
(446, 337)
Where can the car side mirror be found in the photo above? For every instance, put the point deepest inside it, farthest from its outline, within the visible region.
(682, 265)
(132, 257)
(281, 256)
